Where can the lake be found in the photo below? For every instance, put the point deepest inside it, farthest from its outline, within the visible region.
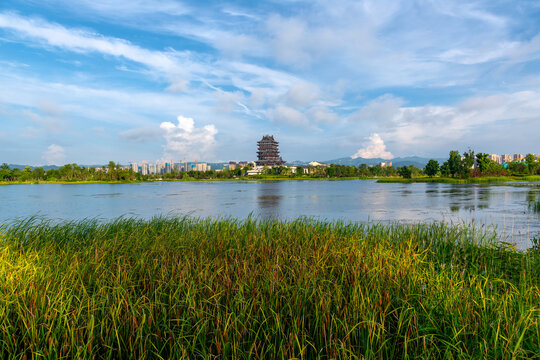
(511, 208)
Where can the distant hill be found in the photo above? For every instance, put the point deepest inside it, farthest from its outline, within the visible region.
(417, 161)
(46, 167)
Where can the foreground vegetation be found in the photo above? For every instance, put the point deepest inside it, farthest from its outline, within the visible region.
(187, 288)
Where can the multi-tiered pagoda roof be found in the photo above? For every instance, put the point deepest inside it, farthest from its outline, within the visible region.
(268, 153)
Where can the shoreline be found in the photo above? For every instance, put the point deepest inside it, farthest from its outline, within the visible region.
(382, 180)
(247, 179)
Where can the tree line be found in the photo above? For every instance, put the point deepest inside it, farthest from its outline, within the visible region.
(68, 172)
(115, 172)
(470, 165)
(458, 165)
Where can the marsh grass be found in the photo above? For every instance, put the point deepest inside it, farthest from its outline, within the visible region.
(225, 288)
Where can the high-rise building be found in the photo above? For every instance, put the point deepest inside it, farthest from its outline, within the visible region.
(496, 158)
(144, 168)
(518, 157)
(506, 158)
(268, 153)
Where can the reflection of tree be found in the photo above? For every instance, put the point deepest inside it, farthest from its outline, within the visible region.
(533, 198)
(469, 197)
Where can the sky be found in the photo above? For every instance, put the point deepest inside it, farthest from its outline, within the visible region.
(90, 81)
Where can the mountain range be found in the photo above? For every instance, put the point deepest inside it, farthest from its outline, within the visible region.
(417, 161)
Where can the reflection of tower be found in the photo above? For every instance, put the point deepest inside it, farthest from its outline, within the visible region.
(269, 199)
(268, 153)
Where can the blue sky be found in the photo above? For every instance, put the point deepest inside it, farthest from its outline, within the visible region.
(96, 80)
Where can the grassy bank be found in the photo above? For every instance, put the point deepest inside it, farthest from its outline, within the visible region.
(45, 182)
(185, 288)
(447, 180)
(243, 178)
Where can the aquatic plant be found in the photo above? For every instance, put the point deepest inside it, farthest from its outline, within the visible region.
(207, 288)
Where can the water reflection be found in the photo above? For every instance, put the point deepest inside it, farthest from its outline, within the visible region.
(533, 198)
(269, 199)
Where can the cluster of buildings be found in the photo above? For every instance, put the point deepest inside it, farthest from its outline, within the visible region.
(507, 158)
(162, 167)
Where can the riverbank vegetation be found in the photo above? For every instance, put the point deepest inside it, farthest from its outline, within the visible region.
(225, 288)
(468, 168)
(114, 173)
(470, 180)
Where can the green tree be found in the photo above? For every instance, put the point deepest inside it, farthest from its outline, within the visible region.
(467, 163)
(445, 169)
(483, 161)
(405, 172)
(532, 164)
(517, 168)
(432, 168)
(5, 172)
(299, 171)
(454, 162)
(38, 174)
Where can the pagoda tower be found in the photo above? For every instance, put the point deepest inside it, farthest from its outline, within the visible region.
(268, 153)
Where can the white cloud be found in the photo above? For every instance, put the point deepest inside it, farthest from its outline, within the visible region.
(50, 108)
(83, 41)
(184, 140)
(49, 124)
(227, 100)
(145, 134)
(419, 128)
(373, 148)
(54, 155)
(302, 94)
(177, 86)
(322, 115)
(257, 97)
(380, 110)
(123, 8)
(282, 114)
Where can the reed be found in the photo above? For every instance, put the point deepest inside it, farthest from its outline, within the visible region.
(227, 288)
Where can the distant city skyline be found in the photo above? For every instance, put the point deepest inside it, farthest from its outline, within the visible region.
(124, 80)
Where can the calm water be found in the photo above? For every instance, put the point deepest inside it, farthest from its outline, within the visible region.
(509, 207)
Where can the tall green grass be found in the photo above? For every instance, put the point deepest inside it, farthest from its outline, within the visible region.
(225, 288)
